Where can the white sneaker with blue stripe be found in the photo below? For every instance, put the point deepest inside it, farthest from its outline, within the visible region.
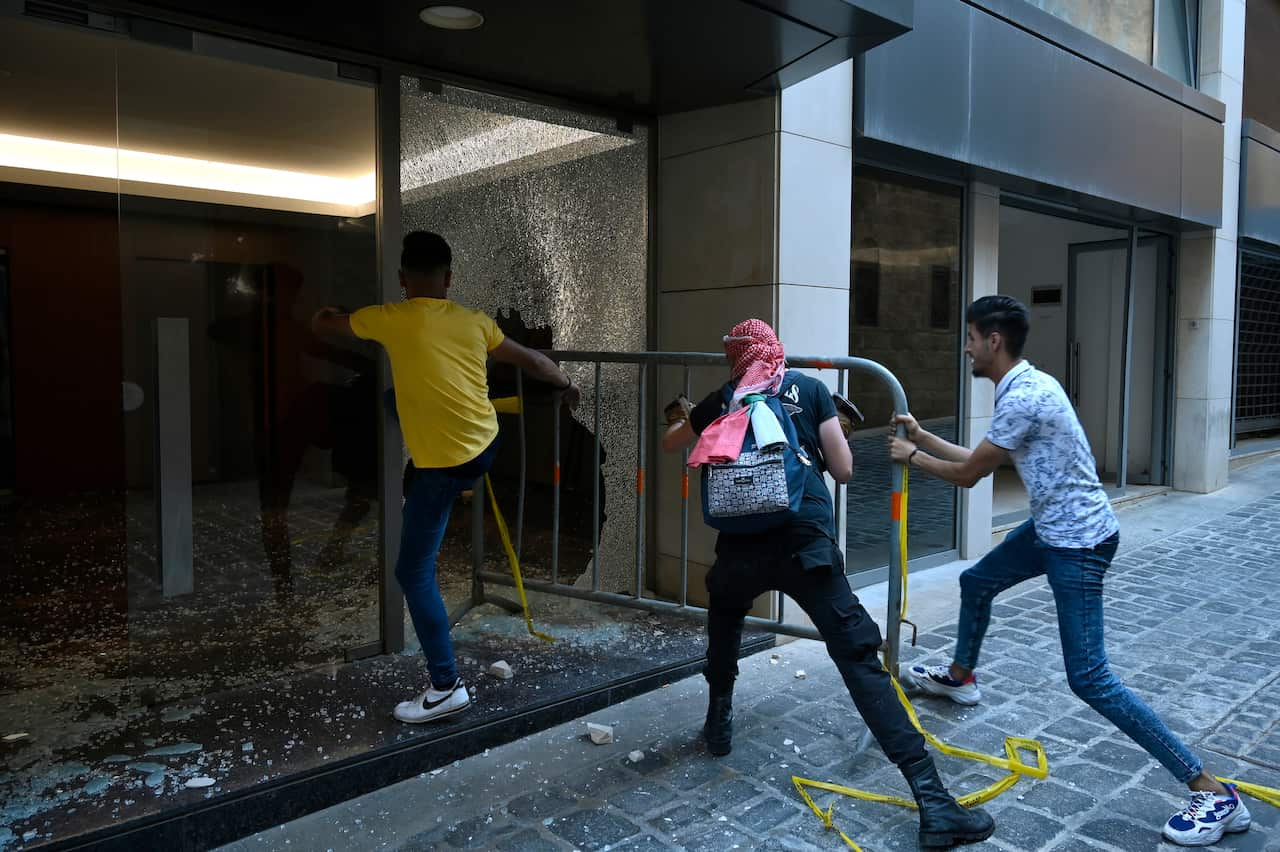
(1206, 818)
(937, 680)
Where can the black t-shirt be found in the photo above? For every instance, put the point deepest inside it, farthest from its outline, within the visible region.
(809, 403)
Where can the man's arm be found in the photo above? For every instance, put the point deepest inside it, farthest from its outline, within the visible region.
(835, 449)
(537, 366)
(966, 474)
(332, 323)
(678, 436)
(927, 441)
(679, 432)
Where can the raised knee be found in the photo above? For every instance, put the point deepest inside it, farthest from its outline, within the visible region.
(1092, 684)
(970, 584)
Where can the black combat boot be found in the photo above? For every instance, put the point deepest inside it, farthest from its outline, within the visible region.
(943, 822)
(718, 730)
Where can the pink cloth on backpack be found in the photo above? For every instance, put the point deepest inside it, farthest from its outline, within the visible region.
(721, 442)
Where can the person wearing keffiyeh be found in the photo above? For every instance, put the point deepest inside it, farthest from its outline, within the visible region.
(803, 561)
(758, 361)
(758, 365)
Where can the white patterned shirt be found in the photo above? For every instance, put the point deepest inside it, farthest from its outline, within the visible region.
(1035, 421)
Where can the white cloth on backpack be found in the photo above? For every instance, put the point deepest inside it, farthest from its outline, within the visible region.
(766, 428)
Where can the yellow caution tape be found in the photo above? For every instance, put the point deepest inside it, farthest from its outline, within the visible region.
(1013, 746)
(1012, 762)
(513, 559)
(1270, 795)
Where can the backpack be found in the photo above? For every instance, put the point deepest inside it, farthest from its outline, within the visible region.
(762, 489)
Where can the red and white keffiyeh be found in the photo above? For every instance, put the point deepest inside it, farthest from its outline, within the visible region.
(757, 361)
(756, 358)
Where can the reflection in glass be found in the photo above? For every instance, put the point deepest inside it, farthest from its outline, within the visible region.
(280, 427)
(1125, 24)
(905, 313)
(1177, 25)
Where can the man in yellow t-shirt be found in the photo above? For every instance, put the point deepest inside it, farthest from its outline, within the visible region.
(438, 352)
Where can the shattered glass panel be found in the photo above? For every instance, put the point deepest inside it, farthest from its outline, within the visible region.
(547, 215)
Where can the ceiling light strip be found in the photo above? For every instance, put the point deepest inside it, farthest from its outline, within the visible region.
(49, 155)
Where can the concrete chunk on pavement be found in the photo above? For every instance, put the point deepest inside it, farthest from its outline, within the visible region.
(600, 734)
(501, 670)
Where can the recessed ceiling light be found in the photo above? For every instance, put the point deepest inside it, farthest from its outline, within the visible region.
(451, 17)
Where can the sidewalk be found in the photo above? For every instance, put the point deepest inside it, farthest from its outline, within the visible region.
(1192, 602)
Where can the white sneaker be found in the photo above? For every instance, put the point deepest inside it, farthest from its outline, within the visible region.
(937, 680)
(434, 704)
(1206, 818)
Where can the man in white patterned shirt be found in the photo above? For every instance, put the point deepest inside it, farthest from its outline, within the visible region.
(1071, 538)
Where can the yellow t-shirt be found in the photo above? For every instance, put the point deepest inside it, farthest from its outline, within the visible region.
(438, 351)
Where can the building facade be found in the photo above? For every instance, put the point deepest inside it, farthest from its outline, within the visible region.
(201, 500)
(1107, 164)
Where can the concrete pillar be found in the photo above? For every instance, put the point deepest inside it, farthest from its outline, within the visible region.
(753, 221)
(1207, 276)
(815, 201)
(982, 258)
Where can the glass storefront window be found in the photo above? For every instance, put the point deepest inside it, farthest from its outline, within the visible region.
(905, 312)
(251, 469)
(64, 613)
(193, 507)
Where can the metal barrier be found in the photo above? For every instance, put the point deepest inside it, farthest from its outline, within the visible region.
(643, 361)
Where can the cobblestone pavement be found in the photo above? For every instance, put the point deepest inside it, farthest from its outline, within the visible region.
(1192, 627)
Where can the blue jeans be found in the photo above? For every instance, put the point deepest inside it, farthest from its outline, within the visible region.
(430, 498)
(1075, 575)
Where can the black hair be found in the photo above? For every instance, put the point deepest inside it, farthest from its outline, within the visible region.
(1004, 314)
(425, 253)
